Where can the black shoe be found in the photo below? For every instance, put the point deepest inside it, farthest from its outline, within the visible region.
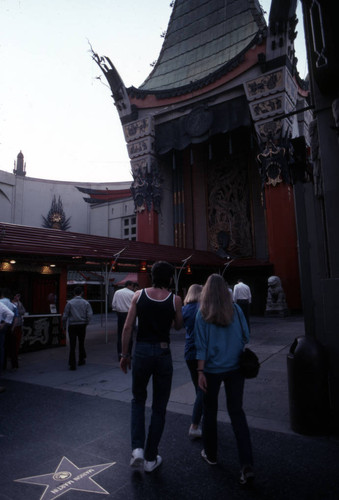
(82, 362)
(72, 367)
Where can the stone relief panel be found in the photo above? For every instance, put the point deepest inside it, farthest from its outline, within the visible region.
(229, 214)
(139, 128)
(264, 85)
(142, 147)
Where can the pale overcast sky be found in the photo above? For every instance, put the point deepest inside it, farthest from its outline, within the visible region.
(52, 106)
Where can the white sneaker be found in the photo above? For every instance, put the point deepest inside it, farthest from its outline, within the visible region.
(246, 474)
(137, 457)
(194, 433)
(204, 456)
(150, 466)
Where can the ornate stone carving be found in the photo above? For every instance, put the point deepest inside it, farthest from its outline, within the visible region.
(273, 165)
(141, 147)
(139, 128)
(229, 224)
(264, 85)
(119, 92)
(146, 186)
(276, 300)
(266, 107)
(56, 218)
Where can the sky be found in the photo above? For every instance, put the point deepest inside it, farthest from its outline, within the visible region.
(53, 107)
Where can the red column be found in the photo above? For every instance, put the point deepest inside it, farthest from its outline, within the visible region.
(148, 230)
(282, 240)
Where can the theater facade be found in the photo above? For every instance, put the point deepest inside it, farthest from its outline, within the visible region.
(217, 135)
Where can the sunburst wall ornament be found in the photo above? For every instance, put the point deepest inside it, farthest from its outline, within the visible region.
(56, 218)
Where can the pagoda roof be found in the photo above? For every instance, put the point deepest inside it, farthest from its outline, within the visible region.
(205, 39)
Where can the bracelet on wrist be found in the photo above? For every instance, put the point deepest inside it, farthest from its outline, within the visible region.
(199, 370)
(125, 356)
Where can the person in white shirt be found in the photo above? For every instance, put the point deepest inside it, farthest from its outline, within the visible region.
(242, 296)
(121, 303)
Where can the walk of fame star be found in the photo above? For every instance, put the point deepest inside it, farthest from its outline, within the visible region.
(68, 476)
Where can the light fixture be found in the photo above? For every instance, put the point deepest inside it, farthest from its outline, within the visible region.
(12, 261)
(143, 266)
(52, 265)
(188, 269)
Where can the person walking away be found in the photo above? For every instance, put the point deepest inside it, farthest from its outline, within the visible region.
(18, 327)
(242, 296)
(77, 313)
(6, 319)
(221, 332)
(157, 309)
(121, 303)
(189, 312)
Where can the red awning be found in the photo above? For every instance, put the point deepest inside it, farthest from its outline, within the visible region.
(128, 277)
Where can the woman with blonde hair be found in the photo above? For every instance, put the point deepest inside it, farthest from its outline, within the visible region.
(221, 332)
(189, 312)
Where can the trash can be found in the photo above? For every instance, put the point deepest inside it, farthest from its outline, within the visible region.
(308, 387)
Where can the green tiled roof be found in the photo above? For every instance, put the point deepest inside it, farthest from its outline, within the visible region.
(204, 36)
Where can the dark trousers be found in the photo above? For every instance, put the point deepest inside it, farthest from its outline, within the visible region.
(150, 361)
(121, 322)
(192, 365)
(2, 346)
(245, 307)
(234, 388)
(76, 332)
(11, 346)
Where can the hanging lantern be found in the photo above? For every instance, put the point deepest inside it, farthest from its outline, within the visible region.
(188, 269)
(143, 266)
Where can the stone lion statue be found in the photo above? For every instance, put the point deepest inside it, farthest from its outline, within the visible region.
(276, 300)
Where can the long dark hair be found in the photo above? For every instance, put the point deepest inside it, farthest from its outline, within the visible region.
(216, 301)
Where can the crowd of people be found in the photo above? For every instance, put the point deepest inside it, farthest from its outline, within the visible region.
(11, 319)
(216, 333)
(216, 321)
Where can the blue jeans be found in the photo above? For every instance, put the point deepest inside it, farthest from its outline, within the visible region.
(192, 365)
(234, 388)
(150, 360)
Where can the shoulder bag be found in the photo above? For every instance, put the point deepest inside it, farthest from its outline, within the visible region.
(248, 361)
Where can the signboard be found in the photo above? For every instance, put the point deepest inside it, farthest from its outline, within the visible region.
(41, 331)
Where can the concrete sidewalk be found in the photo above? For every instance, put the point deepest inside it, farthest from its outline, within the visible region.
(67, 432)
(265, 399)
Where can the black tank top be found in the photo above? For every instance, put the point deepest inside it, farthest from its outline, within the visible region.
(155, 318)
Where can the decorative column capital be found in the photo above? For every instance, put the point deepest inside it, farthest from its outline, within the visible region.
(146, 185)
